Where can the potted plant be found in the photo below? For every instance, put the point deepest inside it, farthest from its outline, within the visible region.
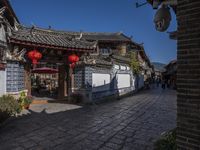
(24, 100)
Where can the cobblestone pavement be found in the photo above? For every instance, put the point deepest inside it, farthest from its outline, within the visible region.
(132, 123)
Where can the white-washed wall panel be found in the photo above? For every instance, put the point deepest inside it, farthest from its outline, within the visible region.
(2, 82)
(124, 80)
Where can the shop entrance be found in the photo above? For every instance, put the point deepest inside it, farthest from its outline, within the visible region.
(44, 81)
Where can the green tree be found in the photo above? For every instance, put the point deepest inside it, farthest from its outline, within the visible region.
(134, 63)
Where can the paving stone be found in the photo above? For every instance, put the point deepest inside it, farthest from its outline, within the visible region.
(18, 148)
(113, 145)
(120, 136)
(105, 148)
(131, 123)
(37, 138)
(29, 144)
(116, 141)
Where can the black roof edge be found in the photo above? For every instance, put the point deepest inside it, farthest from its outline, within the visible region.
(8, 6)
(10, 9)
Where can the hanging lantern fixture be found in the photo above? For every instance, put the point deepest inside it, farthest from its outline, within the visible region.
(72, 59)
(34, 55)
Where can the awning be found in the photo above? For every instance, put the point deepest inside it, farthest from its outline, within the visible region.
(45, 70)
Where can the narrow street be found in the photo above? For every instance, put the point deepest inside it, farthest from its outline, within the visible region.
(131, 123)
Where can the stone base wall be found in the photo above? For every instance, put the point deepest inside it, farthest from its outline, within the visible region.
(113, 85)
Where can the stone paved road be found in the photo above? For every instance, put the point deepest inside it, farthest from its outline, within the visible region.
(132, 123)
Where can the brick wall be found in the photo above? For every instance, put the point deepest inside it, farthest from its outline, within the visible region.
(188, 75)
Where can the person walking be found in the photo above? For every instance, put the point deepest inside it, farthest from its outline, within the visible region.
(168, 83)
(163, 84)
(157, 82)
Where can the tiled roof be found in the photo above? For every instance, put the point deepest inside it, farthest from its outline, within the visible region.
(49, 38)
(106, 37)
(65, 39)
(173, 62)
(99, 36)
(102, 61)
(123, 59)
(96, 60)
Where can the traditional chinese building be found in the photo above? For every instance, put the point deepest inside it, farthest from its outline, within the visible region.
(146, 68)
(102, 67)
(106, 72)
(54, 46)
(171, 72)
(8, 21)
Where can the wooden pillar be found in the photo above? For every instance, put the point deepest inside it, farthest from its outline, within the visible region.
(27, 78)
(62, 86)
(70, 80)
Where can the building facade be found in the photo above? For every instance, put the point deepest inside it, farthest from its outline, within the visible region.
(16, 41)
(8, 22)
(106, 72)
(171, 73)
(188, 70)
(102, 71)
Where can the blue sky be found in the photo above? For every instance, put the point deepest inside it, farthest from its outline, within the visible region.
(101, 16)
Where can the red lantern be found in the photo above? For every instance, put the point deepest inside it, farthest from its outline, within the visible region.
(73, 59)
(34, 55)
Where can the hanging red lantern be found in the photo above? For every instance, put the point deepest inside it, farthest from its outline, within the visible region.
(34, 55)
(73, 59)
(77, 58)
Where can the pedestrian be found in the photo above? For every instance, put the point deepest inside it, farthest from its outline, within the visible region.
(168, 83)
(147, 83)
(157, 82)
(163, 84)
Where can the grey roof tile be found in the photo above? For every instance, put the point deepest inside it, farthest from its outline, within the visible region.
(49, 37)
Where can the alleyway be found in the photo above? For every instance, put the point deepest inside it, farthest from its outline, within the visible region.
(132, 123)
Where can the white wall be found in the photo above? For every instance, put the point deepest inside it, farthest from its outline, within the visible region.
(99, 79)
(2, 82)
(124, 80)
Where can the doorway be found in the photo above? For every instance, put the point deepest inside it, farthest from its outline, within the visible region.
(44, 81)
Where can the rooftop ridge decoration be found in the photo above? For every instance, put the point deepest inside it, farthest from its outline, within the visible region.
(72, 32)
(64, 39)
(59, 40)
